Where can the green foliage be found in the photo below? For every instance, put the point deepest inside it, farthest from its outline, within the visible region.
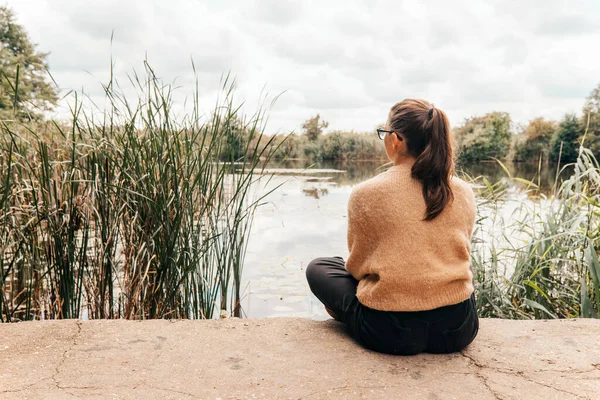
(290, 146)
(534, 141)
(565, 141)
(482, 138)
(335, 146)
(25, 88)
(313, 150)
(345, 146)
(313, 127)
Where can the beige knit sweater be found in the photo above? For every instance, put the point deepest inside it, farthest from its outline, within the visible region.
(404, 263)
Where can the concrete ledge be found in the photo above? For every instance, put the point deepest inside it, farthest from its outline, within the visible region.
(290, 358)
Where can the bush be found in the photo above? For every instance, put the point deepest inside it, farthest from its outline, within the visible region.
(343, 146)
(534, 141)
(335, 146)
(289, 147)
(481, 138)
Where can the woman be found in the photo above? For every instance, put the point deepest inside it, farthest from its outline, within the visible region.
(407, 286)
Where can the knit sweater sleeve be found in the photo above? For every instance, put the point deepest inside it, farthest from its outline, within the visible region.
(358, 246)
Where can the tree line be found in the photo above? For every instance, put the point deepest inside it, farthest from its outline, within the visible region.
(492, 136)
(487, 137)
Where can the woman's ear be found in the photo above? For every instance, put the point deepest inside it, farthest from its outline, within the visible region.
(398, 141)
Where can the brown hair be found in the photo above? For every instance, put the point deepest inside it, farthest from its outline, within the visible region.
(427, 133)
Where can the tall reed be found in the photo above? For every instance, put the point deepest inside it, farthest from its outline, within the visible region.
(539, 259)
(131, 211)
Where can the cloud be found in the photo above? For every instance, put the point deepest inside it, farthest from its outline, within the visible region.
(348, 60)
(280, 13)
(568, 24)
(98, 20)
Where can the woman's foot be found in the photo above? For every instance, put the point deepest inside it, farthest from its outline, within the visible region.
(330, 312)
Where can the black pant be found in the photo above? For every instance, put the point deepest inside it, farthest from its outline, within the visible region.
(442, 330)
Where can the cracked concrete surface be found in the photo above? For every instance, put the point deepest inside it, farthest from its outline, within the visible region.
(290, 358)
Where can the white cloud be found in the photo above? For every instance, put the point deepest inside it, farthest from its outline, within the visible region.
(347, 60)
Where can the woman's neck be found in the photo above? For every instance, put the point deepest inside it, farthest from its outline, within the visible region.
(404, 160)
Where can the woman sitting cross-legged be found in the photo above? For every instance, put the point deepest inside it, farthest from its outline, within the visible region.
(407, 286)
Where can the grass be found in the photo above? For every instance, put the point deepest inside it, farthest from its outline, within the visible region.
(538, 259)
(132, 211)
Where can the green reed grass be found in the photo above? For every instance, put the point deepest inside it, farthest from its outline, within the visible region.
(131, 211)
(537, 257)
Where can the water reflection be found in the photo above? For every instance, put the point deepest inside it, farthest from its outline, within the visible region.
(544, 176)
(306, 217)
(352, 172)
(355, 172)
(316, 192)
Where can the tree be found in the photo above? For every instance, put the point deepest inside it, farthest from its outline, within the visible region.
(18, 56)
(568, 133)
(591, 110)
(481, 138)
(534, 141)
(236, 136)
(313, 127)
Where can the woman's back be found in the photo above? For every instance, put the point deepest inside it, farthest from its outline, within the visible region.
(404, 262)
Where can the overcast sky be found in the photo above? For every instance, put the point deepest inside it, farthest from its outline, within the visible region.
(347, 60)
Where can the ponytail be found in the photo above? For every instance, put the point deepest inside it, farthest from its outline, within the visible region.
(427, 131)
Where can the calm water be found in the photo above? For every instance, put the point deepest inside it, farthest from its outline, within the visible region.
(305, 218)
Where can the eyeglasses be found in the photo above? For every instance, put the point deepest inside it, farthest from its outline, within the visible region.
(381, 133)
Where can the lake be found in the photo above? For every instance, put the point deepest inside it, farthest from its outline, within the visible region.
(305, 218)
